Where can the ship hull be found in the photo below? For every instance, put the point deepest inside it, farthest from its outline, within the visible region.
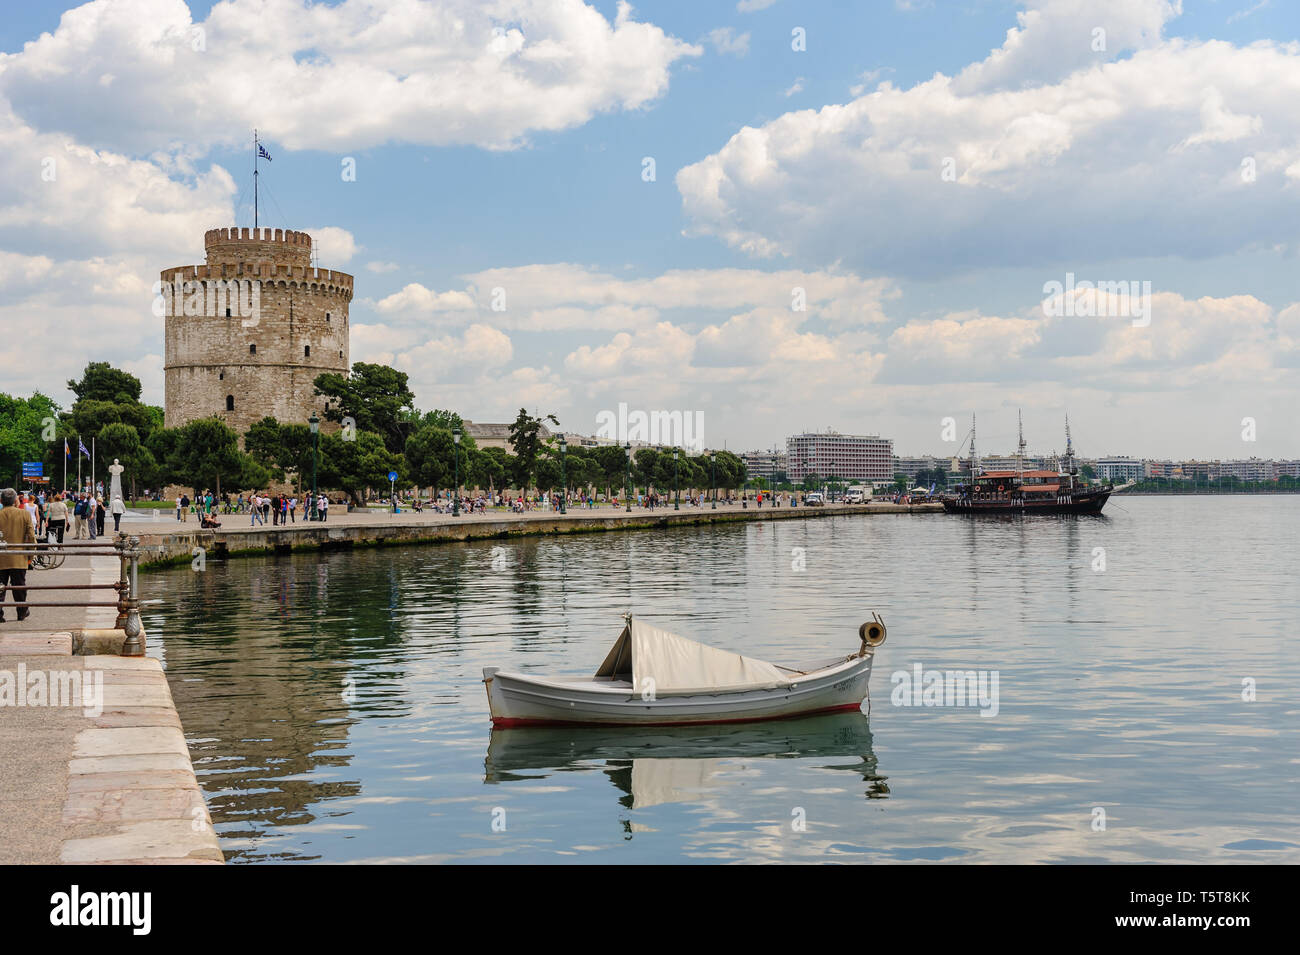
(1086, 503)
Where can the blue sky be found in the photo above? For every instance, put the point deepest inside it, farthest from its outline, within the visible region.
(675, 294)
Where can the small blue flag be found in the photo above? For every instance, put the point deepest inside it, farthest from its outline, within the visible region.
(261, 151)
(82, 447)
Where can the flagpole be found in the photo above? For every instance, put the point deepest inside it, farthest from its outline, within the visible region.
(65, 464)
(92, 463)
(79, 446)
(254, 177)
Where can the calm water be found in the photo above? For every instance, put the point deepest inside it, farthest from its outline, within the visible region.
(335, 709)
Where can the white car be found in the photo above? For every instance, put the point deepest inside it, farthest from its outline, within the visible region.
(814, 499)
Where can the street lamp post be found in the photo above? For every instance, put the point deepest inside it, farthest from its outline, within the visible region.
(564, 475)
(713, 480)
(455, 501)
(315, 453)
(677, 494)
(627, 481)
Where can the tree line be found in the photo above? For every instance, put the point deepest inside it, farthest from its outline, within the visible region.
(372, 427)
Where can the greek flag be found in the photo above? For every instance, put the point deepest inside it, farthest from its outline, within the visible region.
(82, 447)
(261, 151)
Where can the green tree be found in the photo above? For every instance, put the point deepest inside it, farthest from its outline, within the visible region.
(22, 434)
(376, 397)
(122, 442)
(102, 382)
(526, 440)
(355, 465)
(206, 454)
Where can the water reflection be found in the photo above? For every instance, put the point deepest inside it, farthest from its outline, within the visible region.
(657, 765)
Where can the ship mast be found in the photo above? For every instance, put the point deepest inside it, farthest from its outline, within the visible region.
(974, 459)
(1068, 463)
(1020, 448)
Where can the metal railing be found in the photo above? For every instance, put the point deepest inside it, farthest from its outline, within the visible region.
(127, 549)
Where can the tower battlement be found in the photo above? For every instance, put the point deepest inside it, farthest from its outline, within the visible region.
(236, 245)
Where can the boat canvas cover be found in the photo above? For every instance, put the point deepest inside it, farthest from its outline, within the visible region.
(678, 665)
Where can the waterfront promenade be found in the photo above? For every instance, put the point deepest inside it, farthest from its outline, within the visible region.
(108, 782)
(166, 540)
(118, 786)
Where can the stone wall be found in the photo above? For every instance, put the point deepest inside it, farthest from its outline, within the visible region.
(248, 332)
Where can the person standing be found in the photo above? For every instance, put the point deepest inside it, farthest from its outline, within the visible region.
(118, 510)
(17, 530)
(185, 507)
(56, 518)
(255, 510)
(100, 515)
(293, 506)
(323, 505)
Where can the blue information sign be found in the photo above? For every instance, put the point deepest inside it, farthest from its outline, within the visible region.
(33, 469)
(392, 475)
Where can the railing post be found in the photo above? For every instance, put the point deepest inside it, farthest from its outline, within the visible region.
(134, 645)
(124, 583)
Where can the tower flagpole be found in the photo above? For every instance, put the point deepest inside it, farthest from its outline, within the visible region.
(254, 177)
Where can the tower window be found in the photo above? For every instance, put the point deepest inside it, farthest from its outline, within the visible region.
(221, 376)
(306, 351)
(327, 316)
(227, 313)
(230, 402)
(252, 349)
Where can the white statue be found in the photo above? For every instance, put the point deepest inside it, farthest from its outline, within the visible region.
(115, 486)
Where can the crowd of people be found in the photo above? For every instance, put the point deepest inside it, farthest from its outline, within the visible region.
(81, 515)
(261, 508)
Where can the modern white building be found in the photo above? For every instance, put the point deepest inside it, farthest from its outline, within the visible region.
(1120, 468)
(846, 457)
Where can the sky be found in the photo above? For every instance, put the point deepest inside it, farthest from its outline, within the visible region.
(775, 216)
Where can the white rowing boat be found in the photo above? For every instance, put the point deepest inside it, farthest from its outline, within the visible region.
(655, 678)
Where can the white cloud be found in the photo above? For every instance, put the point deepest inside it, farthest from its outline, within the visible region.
(753, 6)
(342, 76)
(415, 299)
(1118, 144)
(795, 87)
(333, 247)
(382, 268)
(727, 42)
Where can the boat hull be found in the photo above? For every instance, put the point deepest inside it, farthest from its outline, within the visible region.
(518, 700)
(1086, 503)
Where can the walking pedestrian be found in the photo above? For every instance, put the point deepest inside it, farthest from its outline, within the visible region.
(17, 530)
(118, 510)
(56, 519)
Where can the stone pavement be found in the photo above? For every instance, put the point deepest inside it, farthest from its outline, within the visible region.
(105, 775)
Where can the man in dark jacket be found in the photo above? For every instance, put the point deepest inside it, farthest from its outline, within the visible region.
(17, 530)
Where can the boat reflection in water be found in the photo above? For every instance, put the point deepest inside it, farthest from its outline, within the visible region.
(679, 763)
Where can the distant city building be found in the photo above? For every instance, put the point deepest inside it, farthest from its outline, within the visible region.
(763, 464)
(912, 466)
(1120, 468)
(498, 435)
(849, 457)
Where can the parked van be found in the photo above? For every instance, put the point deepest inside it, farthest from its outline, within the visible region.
(858, 495)
(814, 499)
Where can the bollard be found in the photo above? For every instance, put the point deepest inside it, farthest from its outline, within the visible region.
(123, 583)
(134, 645)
